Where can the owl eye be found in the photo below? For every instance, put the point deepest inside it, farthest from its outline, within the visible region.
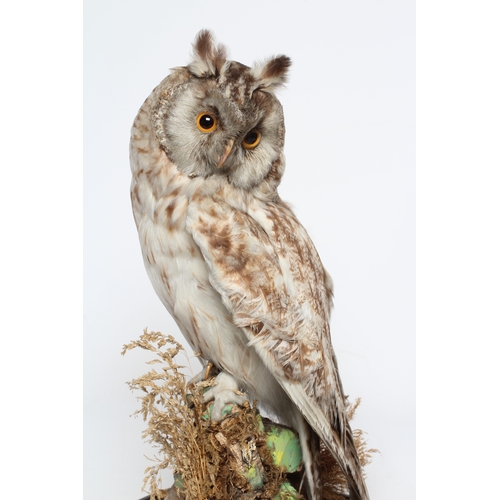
(206, 122)
(252, 139)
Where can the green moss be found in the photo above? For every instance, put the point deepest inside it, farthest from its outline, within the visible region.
(285, 447)
(287, 492)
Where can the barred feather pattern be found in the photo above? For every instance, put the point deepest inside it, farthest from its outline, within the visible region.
(229, 259)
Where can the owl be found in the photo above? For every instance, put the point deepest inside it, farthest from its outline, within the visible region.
(228, 258)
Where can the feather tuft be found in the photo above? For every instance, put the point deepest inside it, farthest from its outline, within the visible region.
(208, 58)
(271, 74)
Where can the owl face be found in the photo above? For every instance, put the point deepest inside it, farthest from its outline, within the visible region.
(224, 119)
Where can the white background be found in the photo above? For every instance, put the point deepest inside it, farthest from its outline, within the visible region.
(350, 148)
(458, 270)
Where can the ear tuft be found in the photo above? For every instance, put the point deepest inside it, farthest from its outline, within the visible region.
(208, 58)
(272, 74)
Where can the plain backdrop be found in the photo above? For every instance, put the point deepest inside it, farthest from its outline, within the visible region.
(350, 148)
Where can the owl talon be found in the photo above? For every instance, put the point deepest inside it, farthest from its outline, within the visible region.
(203, 375)
(208, 369)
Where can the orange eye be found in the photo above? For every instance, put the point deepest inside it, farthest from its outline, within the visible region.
(206, 122)
(252, 139)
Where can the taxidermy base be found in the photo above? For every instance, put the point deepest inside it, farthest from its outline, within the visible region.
(242, 456)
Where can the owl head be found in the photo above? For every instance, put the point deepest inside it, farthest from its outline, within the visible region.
(222, 118)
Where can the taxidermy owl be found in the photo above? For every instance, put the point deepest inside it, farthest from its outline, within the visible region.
(228, 258)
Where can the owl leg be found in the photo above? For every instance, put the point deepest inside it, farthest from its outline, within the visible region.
(310, 444)
(225, 392)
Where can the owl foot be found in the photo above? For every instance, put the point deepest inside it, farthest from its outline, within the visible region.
(225, 392)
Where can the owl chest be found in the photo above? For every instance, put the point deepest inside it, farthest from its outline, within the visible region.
(171, 256)
(180, 277)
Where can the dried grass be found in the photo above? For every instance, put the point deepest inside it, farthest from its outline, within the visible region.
(191, 445)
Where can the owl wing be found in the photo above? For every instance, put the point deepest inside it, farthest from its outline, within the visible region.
(270, 277)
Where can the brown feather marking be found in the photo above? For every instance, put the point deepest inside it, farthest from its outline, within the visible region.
(195, 326)
(169, 210)
(203, 44)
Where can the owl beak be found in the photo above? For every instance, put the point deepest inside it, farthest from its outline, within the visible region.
(226, 153)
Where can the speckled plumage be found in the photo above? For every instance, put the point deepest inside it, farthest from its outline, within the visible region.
(228, 258)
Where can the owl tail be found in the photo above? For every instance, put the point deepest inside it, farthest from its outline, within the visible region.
(343, 450)
(310, 445)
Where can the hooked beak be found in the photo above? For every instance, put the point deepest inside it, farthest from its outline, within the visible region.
(226, 153)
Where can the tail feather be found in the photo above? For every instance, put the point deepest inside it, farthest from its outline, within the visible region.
(310, 445)
(343, 450)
